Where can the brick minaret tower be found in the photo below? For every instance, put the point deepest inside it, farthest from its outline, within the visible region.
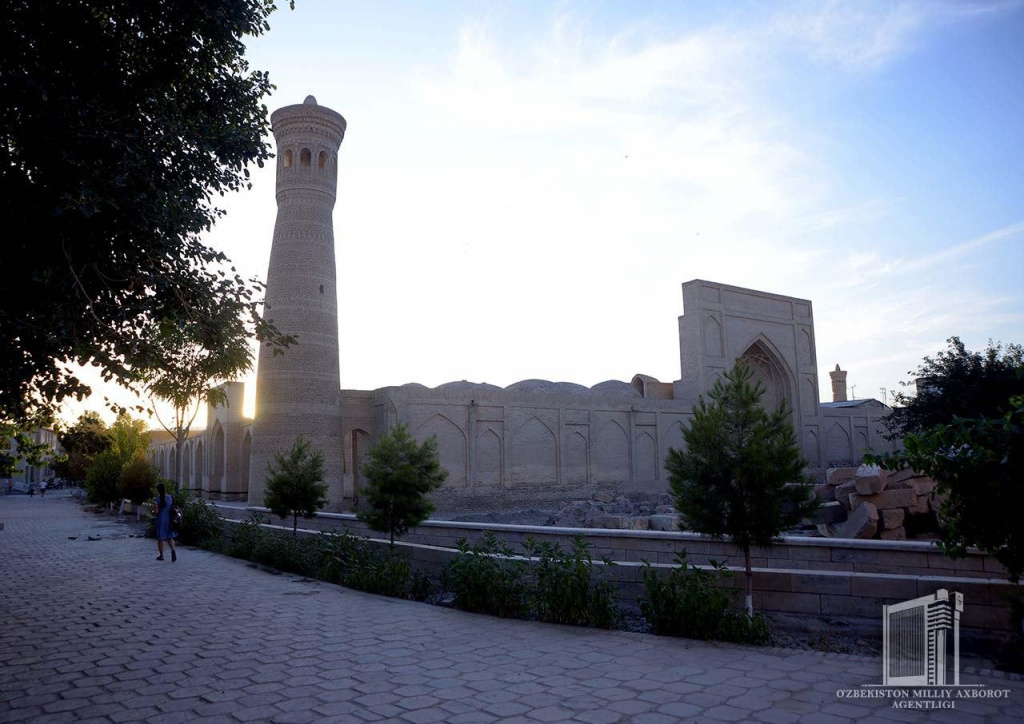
(300, 391)
(838, 385)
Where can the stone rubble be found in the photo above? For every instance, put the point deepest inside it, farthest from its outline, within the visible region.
(873, 503)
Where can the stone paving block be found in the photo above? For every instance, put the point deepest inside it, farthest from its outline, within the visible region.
(311, 646)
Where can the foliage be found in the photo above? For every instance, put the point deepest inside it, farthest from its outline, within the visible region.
(128, 440)
(400, 474)
(103, 478)
(488, 577)
(200, 524)
(138, 480)
(294, 483)
(119, 125)
(979, 465)
(735, 479)
(16, 444)
(564, 591)
(189, 373)
(334, 557)
(692, 603)
(129, 437)
(958, 383)
(82, 442)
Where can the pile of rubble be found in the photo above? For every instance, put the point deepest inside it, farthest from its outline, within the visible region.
(867, 502)
(618, 512)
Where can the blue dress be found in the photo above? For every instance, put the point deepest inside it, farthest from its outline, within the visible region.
(163, 519)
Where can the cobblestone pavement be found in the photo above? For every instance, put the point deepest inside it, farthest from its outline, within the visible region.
(101, 631)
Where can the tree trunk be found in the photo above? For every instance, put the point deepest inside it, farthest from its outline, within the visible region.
(750, 583)
(295, 524)
(179, 454)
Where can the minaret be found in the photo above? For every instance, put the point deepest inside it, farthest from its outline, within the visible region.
(299, 392)
(838, 385)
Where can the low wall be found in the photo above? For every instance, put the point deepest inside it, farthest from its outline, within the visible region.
(819, 576)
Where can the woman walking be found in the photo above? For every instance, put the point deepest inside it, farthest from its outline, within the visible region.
(164, 505)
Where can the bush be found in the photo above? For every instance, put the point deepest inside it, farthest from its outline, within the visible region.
(487, 578)
(690, 603)
(200, 524)
(103, 479)
(565, 590)
(138, 480)
(358, 563)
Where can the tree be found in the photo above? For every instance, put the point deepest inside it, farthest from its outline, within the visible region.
(958, 383)
(978, 464)
(119, 125)
(129, 438)
(190, 373)
(138, 481)
(294, 483)
(400, 473)
(738, 476)
(82, 442)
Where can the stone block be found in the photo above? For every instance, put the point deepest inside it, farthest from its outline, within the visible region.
(862, 523)
(923, 486)
(920, 506)
(829, 513)
(899, 476)
(869, 484)
(893, 533)
(893, 519)
(825, 492)
(838, 476)
(844, 491)
(664, 522)
(610, 521)
(638, 522)
(885, 500)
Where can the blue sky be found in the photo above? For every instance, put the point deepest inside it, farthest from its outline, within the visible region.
(524, 186)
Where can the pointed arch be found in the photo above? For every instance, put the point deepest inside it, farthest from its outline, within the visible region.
(451, 445)
(533, 455)
(243, 486)
(771, 370)
(576, 458)
(646, 457)
(488, 458)
(217, 454)
(200, 466)
(838, 451)
(611, 454)
(713, 338)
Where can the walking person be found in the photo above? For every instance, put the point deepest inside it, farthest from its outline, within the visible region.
(164, 505)
(42, 489)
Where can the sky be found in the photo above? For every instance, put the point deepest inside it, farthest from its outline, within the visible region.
(524, 186)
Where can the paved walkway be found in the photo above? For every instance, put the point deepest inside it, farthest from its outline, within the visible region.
(101, 631)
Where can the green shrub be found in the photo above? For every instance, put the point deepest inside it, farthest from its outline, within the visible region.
(103, 478)
(488, 578)
(200, 524)
(689, 602)
(358, 563)
(565, 591)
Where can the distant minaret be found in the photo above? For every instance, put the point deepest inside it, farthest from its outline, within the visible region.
(838, 385)
(300, 391)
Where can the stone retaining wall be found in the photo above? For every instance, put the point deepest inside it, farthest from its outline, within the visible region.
(841, 578)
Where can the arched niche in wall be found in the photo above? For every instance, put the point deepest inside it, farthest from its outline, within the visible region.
(533, 455)
(246, 454)
(611, 454)
(488, 458)
(217, 479)
(771, 372)
(451, 446)
(575, 458)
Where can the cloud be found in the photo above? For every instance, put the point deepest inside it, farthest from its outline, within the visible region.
(866, 35)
